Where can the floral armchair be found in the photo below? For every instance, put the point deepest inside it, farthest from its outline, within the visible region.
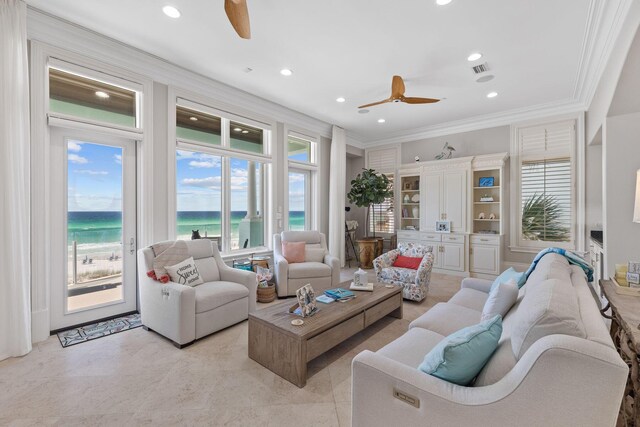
(415, 283)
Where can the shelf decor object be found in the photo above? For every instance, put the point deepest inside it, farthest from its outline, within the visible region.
(486, 181)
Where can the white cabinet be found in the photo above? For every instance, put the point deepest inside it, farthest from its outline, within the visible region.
(451, 257)
(484, 259)
(445, 199)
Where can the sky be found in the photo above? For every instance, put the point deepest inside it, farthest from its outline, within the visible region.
(94, 177)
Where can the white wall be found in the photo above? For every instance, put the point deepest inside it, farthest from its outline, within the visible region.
(621, 161)
(160, 158)
(593, 196)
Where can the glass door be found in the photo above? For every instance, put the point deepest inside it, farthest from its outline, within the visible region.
(93, 184)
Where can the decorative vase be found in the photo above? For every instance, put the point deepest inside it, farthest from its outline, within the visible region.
(360, 278)
(406, 198)
(367, 251)
(416, 212)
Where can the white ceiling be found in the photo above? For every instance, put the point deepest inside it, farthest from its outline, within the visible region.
(352, 48)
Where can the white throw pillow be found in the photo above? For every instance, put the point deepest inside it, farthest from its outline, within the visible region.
(550, 307)
(185, 273)
(500, 300)
(314, 254)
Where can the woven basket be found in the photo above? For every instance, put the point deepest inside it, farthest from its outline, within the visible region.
(267, 294)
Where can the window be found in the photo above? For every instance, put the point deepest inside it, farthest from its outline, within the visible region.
(221, 178)
(85, 98)
(301, 154)
(381, 216)
(546, 186)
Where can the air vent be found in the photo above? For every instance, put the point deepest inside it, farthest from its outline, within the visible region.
(479, 69)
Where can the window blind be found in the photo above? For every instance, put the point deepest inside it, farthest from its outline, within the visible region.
(383, 160)
(546, 200)
(381, 216)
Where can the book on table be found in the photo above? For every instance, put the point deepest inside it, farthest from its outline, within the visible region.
(339, 294)
(362, 287)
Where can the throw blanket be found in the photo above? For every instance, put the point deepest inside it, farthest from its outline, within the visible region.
(573, 258)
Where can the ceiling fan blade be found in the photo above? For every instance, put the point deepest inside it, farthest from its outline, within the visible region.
(414, 100)
(375, 103)
(238, 15)
(397, 87)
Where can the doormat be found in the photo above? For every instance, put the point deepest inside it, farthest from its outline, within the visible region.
(98, 330)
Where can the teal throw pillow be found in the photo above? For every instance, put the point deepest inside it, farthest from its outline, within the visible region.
(507, 275)
(459, 357)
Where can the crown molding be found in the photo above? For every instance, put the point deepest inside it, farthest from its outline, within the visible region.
(55, 31)
(604, 24)
(481, 122)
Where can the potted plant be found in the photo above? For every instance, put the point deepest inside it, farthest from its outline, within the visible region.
(369, 188)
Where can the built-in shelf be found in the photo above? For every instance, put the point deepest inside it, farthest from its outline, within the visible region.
(411, 203)
(488, 220)
(410, 191)
(486, 203)
(485, 188)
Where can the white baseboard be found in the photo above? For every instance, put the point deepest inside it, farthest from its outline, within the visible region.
(40, 325)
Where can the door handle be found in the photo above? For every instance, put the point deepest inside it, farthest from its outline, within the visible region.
(132, 246)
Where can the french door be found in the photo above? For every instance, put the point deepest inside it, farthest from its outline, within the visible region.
(93, 223)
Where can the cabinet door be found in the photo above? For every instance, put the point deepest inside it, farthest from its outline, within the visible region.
(431, 188)
(484, 259)
(454, 199)
(452, 257)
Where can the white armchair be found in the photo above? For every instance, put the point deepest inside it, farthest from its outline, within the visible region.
(184, 314)
(320, 269)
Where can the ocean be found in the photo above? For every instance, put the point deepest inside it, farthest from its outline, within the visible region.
(99, 234)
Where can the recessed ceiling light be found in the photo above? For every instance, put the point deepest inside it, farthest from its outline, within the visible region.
(341, 99)
(443, 2)
(381, 120)
(101, 94)
(193, 119)
(245, 131)
(171, 12)
(492, 94)
(474, 56)
(237, 129)
(286, 72)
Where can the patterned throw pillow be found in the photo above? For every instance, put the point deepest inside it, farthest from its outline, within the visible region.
(185, 273)
(167, 254)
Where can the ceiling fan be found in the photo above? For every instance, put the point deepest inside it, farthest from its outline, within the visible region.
(397, 95)
(238, 15)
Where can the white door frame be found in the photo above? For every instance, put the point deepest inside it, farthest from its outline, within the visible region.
(60, 316)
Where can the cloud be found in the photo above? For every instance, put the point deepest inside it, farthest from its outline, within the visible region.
(201, 164)
(199, 160)
(117, 158)
(296, 177)
(79, 160)
(74, 146)
(210, 182)
(92, 172)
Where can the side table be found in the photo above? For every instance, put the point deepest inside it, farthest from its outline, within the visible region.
(625, 320)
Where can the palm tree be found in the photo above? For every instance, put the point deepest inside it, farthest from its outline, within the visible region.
(542, 219)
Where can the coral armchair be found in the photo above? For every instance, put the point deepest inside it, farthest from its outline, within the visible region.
(415, 283)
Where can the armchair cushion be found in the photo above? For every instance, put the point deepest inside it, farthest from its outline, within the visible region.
(293, 252)
(185, 273)
(212, 295)
(314, 254)
(397, 274)
(208, 269)
(407, 262)
(309, 270)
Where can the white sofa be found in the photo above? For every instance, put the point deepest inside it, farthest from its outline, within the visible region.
(184, 314)
(320, 269)
(560, 380)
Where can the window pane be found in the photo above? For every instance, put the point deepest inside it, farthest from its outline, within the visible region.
(94, 224)
(546, 200)
(85, 98)
(199, 194)
(299, 149)
(381, 216)
(246, 138)
(297, 200)
(247, 201)
(196, 126)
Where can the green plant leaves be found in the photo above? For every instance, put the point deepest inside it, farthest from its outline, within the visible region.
(542, 220)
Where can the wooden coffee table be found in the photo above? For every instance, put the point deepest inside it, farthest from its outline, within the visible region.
(285, 349)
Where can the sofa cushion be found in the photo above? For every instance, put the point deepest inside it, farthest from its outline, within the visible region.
(507, 275)
(446, 318)
(212, 295)
(470, 298)
(208, 269)
(308, 270)
(550, 307)
(411, 347)
(460, 356)
(550, 266)
(314, 253)
(501, 299)
(397, 274)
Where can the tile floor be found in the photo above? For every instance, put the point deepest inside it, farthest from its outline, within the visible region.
(139, 378)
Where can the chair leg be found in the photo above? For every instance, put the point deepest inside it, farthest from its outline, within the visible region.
(146, 328)
(181, 346)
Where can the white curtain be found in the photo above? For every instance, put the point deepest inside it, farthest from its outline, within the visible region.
(337, 177)
(15, 312)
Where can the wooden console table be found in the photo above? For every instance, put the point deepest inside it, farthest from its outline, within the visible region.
(625, 320)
